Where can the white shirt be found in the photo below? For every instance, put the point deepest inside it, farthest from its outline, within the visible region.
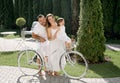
(42, 46)
(40, 31)
(33, 24)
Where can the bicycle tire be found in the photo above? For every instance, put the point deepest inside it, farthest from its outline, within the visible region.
(27, 63)
(72, 67)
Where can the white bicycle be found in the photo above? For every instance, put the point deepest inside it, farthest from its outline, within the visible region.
(75, 67)
(28, 58)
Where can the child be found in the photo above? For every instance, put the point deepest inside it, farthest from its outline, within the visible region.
(62, 34)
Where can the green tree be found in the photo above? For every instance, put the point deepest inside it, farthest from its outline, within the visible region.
(23, 8)
(16, 9)
(20, 7)
(117, 19)
(1, 11)
(108, 13)
(47, 7)
(41, 5)
(35, 8)
(8, 13)
(57, 7)
(30, 14)
(91, 34)
(66, 14)
(75, 8)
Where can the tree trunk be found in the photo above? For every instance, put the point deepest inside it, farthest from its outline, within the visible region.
(75, 16)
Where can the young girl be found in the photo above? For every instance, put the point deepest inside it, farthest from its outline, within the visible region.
(62, 34)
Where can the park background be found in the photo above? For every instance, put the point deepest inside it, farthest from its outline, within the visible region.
(91, 44)
(10, 10)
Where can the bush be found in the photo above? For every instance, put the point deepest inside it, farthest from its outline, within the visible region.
(20, 21)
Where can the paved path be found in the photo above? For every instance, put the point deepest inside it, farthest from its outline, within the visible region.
(18, 44)
(114, 47)
(9, 74)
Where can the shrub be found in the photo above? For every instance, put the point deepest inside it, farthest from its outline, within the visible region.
(20, 21)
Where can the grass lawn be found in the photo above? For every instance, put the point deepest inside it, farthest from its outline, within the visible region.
(107, 69)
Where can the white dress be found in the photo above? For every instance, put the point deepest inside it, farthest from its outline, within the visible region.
(56, 49)
(62, 35)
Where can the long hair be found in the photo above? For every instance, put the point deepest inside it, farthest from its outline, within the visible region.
(49, 15)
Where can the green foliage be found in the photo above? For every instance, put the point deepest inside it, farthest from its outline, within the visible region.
(66, 14)
(47, 7)
(91, 34)
(56, 17)
(1, 12)
(7, 13)
(56, 7)
(20, 21)
(30, 14)
(37, 7)
(117, 19)
(107, 69)
(108, 6)
(68, 9)
(75, 7)
(16, 8)
(111, 15)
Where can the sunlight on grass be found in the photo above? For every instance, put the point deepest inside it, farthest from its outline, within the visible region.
(11, 36)
(8, 58)
(106, 69)
(26, 60)
(76, 70)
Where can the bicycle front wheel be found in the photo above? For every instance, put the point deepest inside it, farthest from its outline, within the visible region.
(76, 65)
(29, 62)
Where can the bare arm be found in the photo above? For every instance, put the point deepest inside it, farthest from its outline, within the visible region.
(55, 35)
(50, 37)
(35, 36)
(49, 34)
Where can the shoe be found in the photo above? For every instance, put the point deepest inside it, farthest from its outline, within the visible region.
(43, 74)
(53, 74)
(35, 58)
(56, 73)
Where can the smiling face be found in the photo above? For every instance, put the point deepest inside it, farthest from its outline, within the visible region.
(50, 19)
(60, 21)
(41, 20)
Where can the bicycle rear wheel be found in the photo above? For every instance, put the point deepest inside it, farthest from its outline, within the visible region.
(29, 62)
(76, 65)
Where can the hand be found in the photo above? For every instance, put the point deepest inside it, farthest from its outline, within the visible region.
(58, 29)
(42, 40)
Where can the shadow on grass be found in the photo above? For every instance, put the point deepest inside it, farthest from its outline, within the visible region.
(8, 58)
(105, 70)
(108, 69)
(6, 53)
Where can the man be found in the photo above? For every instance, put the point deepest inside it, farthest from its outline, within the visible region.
(39, 33)
(39, 30)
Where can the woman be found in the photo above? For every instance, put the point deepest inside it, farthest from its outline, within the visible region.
(57, 47)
